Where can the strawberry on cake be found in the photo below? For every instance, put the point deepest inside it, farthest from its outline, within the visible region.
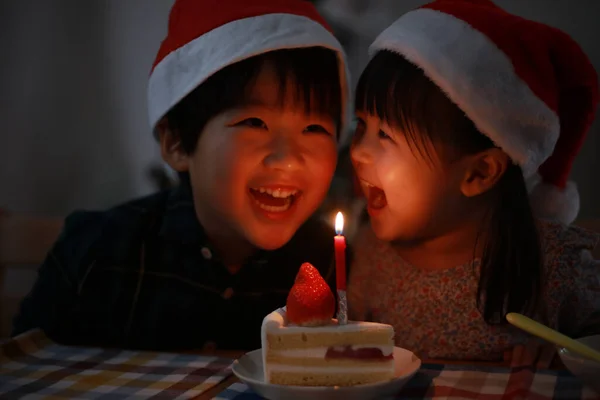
(303, 345)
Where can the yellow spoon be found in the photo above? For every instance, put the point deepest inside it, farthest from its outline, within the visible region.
(542, 331)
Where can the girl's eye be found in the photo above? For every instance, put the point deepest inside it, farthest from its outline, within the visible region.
(316, 129)
(382, 135)
(253, 123)
(359, 131)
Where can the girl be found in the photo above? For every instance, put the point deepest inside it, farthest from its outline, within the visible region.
(455, 114)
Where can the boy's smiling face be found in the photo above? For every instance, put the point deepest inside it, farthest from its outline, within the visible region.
(260, 170)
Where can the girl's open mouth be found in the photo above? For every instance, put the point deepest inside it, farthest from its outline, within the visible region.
(274, 200)
(376, 199)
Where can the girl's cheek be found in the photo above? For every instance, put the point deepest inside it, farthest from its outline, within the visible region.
(388, 168)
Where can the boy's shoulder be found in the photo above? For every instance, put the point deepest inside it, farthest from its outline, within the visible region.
(313, 243)
(315, 229)
(121, 226)
(131, 214)
(313, 238)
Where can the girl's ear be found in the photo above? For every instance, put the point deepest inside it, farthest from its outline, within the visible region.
(483, 171)
(170, 147)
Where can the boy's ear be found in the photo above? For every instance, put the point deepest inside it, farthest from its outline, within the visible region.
(483, 171)
(170, 147)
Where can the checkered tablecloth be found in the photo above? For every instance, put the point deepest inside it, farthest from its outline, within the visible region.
(32, 366)
(471, 382)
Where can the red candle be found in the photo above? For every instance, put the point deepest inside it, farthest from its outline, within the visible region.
(340, 269)
(340, 253)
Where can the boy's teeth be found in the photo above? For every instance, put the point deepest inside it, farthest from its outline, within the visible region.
(287, 205)
(280, 193)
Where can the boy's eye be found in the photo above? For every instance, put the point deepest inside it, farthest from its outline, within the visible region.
(253, 123)
(316, 129)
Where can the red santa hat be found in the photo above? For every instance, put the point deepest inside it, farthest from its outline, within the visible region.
(527, 86)
(204, 36)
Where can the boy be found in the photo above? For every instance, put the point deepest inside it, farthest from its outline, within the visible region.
(247, 100)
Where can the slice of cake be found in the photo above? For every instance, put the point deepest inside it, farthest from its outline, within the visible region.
(302, 345)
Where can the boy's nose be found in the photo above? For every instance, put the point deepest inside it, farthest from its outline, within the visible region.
(284, 154)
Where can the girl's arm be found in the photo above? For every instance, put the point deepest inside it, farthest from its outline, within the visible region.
(580, 311)
(572, 295)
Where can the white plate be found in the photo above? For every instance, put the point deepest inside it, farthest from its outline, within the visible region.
(249, 369)
(586, 370)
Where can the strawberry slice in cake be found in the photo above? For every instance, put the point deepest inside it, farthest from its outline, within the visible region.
(303, 345)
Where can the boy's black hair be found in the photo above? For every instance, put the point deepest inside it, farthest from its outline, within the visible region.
(399, 93)
(314, 70)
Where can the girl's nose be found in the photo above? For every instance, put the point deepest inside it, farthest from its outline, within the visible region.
(361, 150)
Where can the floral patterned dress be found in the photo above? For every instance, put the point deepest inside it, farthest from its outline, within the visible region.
(434, 313)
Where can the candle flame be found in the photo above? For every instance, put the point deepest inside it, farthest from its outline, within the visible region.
(339, 223)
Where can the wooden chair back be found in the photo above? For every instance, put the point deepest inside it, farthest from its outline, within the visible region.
(24, 242)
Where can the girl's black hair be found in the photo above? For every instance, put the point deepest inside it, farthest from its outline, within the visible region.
(399, 93)
(314, 70)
